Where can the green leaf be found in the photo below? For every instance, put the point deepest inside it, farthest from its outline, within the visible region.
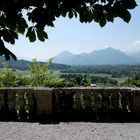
(126, 16)
(70, 14)
(14, 34)
(8, 37)
(129, 4)
(21, 26)
(75, 13)
(102, 21)
(12, 55)
(50, 23)
(45, 35)
(109, 17)
(31, 34)
(63, 13)
(7, 56)
(42, 35)
(2, 20)
(6, 52)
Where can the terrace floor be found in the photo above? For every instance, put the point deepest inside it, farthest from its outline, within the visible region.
(69, 131)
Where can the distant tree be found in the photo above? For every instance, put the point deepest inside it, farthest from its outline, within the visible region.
(44, 12)
(80, 80)
(38, 73)
(9, 77)
(132, 82)
(42, 76)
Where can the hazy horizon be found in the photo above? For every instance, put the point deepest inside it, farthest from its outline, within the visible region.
(67, 51)
(130, 53)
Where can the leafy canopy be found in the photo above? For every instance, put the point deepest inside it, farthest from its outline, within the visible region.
(43, 13)
(8, 77)
(42, 76)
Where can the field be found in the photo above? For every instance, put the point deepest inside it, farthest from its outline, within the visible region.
(108, 75)
(102, 75)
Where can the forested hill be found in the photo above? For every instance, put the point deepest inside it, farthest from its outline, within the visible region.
(22, 64)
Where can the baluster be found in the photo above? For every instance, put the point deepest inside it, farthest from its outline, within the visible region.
(98, 102)
(130, 101)
(82, 105)
(91, 102)
(110, 102)
(78, 101)
(74, 101)
(115, 101)
(20, 104)
(56, 102)
(2, 104)
(17, 105)
(105, 101)
(86, 102)
(68, 100)
(32, 103)
(125, 100)
(12, 103)
(60, 100)
(26, 104)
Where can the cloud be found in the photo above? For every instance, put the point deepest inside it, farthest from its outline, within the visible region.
(137, 42)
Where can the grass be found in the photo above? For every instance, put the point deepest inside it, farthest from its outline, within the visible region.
(103, 75)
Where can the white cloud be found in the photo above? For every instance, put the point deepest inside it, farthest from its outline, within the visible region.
(137, 42)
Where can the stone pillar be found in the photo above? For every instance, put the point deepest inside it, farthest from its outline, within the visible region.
(3, 103)
(11, 101)
(136, 101)
(44, 101)
(78, 100)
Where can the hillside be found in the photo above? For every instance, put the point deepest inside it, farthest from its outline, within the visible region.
(23, 64)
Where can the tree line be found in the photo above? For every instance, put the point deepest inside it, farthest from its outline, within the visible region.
(113, 70)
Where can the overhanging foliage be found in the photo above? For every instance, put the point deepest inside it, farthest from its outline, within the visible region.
(44, 12)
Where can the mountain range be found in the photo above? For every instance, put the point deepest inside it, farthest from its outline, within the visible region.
(108, 56)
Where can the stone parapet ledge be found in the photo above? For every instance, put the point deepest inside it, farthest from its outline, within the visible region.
(37, 101)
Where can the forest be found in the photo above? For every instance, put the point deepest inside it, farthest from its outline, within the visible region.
(106, 75)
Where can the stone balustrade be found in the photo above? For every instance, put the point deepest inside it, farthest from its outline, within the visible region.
(23, 102)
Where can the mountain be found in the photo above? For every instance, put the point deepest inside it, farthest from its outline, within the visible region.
(63, 58)
(108, 56)
(136, 54)
(23, 64)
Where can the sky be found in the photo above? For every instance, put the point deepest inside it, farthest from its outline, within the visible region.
(73, 36)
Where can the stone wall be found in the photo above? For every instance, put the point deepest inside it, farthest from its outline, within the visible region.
(30, 103)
